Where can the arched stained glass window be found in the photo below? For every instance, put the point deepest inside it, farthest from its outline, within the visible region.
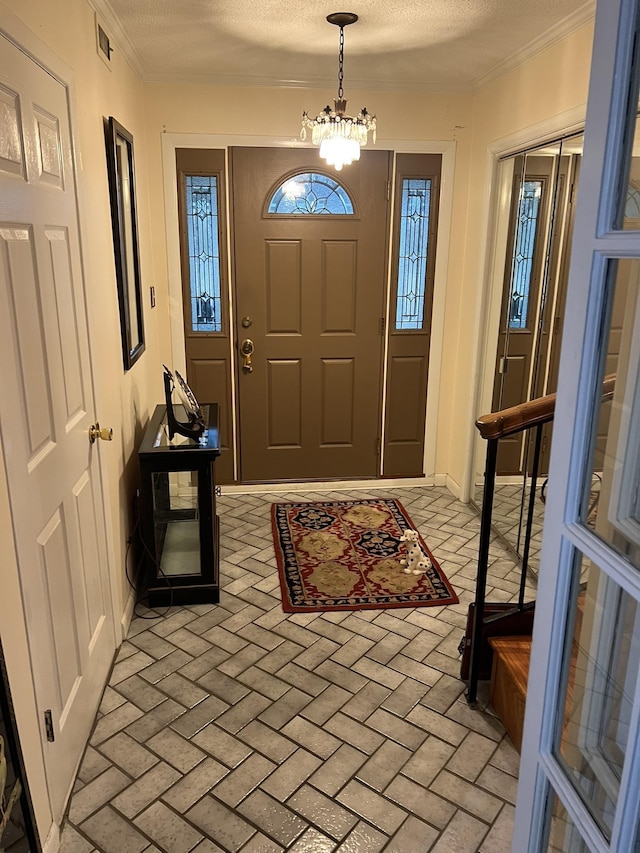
(310, 194)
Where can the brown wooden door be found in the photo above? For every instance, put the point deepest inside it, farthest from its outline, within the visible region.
(309, 295)
(201, 207)
(415, 228)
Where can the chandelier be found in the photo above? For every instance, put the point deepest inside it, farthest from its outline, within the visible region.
(339, 136)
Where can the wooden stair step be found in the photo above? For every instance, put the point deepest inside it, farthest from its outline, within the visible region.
(511, 656)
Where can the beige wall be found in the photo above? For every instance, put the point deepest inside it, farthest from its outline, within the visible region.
(122, 401)
(536, 95)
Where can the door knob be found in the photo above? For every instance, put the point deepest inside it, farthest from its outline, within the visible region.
(96, 432)
(246, 348)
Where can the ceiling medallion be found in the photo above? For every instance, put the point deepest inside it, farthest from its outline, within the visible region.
(339, 136)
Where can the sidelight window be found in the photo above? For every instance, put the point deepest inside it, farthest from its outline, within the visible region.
(412, 254)
(310, 194)
(521, 270)
(204, 252)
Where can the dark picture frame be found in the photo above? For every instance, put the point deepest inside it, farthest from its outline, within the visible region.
(124, 220)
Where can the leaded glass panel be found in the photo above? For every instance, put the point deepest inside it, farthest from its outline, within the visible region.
(204, 253)
(526, 230)
(310, 194)
(412, 252)
(632, 206)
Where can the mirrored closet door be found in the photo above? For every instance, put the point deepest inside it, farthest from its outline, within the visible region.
(532, 230)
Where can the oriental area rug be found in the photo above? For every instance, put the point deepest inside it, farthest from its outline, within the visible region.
(345, 555)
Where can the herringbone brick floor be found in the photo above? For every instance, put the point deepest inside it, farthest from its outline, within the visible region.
(237, 727)
(509, 517)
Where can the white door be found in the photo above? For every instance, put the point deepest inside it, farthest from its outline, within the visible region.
(46, 407)
(580, 768)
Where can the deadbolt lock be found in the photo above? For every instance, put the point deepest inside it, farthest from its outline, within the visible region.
(96, 432)
(246, 322)
(246, 348)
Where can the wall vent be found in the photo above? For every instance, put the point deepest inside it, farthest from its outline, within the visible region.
(103, 43)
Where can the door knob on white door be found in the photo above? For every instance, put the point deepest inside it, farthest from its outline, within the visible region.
(96, 432)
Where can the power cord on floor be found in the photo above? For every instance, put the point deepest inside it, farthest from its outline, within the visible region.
(143, 592)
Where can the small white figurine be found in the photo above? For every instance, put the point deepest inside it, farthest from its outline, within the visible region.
(416, 561)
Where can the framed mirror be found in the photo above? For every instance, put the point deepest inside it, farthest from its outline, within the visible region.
(124, 220)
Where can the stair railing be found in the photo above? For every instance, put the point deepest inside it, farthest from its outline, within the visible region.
(533, 414)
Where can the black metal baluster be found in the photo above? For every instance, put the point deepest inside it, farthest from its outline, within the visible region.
(532, 499)
(483, 565)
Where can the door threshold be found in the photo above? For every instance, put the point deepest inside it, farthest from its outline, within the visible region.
(331, 485)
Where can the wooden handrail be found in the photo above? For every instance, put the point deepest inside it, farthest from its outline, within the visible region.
(529, 414)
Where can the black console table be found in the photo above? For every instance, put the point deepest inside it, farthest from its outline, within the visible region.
(178, 521)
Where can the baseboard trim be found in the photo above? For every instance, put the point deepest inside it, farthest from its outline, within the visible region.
(334, 485)
(127, 614)
(52, 843)
(453, 487)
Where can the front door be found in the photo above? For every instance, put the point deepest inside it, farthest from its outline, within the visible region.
(580, 767)
(46, 407)
(310, 271)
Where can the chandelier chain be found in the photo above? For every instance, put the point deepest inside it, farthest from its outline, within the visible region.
(339, 135)
(341, 64)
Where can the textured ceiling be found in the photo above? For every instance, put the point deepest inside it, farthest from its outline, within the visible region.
(397, 44)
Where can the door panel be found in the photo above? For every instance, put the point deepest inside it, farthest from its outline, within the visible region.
(413, 267)
(284, 400)
(203, 263)
(47, 402)
(313, 290)
(405, 419)
(337, 395)
(339, 286)
(283, 282)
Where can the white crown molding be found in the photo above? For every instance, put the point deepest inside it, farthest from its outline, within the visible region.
(315, 83)
(553, 35)
(119, 35)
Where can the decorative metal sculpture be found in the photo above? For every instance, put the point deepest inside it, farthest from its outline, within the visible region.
(194, 427)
